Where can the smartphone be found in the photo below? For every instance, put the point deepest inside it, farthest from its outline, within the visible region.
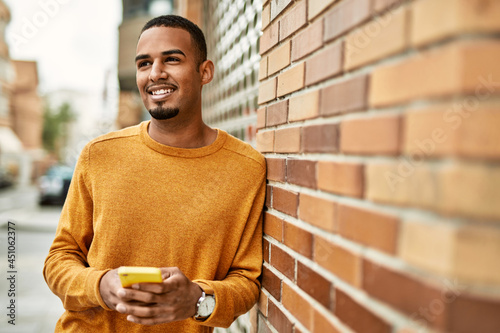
(135, 274)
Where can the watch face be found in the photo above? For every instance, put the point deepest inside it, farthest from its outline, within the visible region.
(207, 306)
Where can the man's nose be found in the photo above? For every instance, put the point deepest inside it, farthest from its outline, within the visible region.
(157, 71)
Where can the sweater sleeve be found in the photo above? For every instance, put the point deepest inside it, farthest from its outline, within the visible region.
(239, 291)
(66, 269)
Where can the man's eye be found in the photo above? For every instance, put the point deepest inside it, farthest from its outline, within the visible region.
(172, 59)
(143, 63)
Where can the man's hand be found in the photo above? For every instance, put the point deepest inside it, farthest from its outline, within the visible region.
(154, 303)
(109, 287)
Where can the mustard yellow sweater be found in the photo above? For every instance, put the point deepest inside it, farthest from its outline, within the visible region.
(135, 202)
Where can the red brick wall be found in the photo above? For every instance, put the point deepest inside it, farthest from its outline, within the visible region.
(380, 123)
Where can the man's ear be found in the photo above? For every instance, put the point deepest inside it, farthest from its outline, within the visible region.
(207, 71)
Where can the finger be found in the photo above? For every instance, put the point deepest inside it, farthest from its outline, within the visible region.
(148, 315)
(128, 295)
(167, 272)
(172, 279)
(156, 288)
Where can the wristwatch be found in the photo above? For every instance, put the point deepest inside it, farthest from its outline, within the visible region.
(205, 306)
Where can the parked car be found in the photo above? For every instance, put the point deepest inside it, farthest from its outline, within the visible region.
(54, 185)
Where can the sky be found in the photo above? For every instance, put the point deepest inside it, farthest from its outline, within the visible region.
(74, 42)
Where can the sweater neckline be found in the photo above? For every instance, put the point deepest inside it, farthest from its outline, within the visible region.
(181, 152)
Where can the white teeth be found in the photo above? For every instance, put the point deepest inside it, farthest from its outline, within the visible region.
(162, 91)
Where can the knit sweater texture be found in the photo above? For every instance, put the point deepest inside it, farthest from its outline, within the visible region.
(136, 202)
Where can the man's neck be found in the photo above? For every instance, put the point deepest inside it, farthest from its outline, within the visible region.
(194, 135)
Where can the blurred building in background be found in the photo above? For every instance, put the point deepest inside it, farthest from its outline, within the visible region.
(27, 118)
(26, 105)
(20, 113)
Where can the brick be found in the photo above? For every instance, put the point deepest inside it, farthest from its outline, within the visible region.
(378, 39)
(273, 226)
(293, 20)
(320, 139)
(403, 292)
(325, 64)
(301, 172)
(344, 264)
(263, 68)
(344, 16)
(265, 141)
(266, 250)
(280, 322)
(382, 5)
(318, 211)
(277, 113)
(285, 201)
(460, 67)
(267, 91)
(317, 6)
(470, 190)
(283, 262)
(299, 307)
(474, 314)
(321, 324)
(263, 303)
(277, 7)
(308, 40)
(341, 178)
(369, 228)
(304, 106)
(345, 96)
(402, 183)
(428, 245)
(454, 129)
(271, 283)
(461, 16)
(269, 37)
(298, 239)
(357, 316)
(263, 325)
(314, 284)
(380, 135)
(266, 16)
(261, 118)
(291, 80)
(279, 58)
(287, 140)
(276, 169)
(477, 252)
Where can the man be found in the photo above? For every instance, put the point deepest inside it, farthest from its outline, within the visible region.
(170, 193)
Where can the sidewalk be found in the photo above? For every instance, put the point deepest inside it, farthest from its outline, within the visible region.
(17, 197)
(20, 205)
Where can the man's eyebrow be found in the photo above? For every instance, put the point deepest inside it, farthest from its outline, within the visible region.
(164, 53)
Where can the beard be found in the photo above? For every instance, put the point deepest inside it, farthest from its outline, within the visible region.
(161, 113)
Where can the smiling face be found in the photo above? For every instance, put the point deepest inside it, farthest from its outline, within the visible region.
(169, 76)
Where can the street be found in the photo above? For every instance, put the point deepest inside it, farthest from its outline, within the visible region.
(25, 298)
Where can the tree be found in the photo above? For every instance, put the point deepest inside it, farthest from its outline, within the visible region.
(55, 127)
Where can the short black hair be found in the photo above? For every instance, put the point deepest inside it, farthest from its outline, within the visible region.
(175, 21)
